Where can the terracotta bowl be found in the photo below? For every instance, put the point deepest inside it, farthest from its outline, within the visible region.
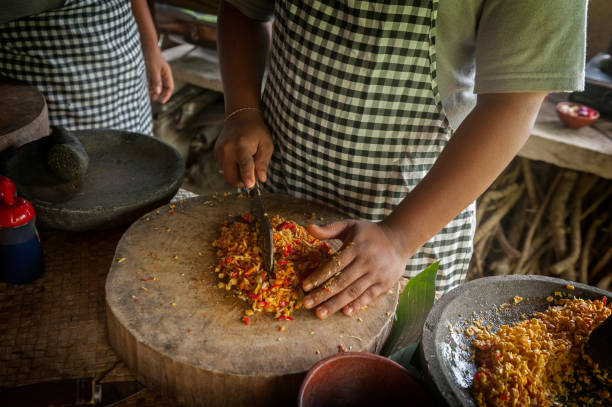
(568, 113)
(360, 379)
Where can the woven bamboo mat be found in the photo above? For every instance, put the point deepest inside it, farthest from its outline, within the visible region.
(55, 327)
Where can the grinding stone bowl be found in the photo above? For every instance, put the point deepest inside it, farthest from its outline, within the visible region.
(360, 379)
(446, 351)
(129, 174)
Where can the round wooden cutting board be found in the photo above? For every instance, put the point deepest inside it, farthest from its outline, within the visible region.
(23, 114)
(183, 336)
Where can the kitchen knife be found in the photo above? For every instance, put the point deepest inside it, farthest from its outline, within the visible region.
(264, 227)
(69, 392)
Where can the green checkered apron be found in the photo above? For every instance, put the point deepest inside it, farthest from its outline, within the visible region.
(353, 105)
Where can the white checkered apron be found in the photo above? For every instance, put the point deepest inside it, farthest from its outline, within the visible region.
(85, 57)
(353, 105)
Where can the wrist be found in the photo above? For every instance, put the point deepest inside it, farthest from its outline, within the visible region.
(243, 111)
(150, 47)
(400, 238)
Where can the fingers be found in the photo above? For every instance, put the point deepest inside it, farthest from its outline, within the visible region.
(339, 261)
(262, 159)
(155, 84)
(236, 162)
(243, 150)
(364, 299)
(332, 287)
(231, 174)
(246, 167)
(168, 81)
(332, 230)
(344, 297)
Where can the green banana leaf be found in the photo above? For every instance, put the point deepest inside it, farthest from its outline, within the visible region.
(414, 304)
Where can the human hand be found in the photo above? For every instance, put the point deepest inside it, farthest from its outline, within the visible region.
(244, 148)
(368, 264)
(159, 74)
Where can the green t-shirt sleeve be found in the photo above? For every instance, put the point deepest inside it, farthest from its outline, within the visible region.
(261, 10)
(526, 45)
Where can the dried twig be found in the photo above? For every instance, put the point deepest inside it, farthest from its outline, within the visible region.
(517, 221)
(525, 252)
(558, 212)
(493, 195)
(500, 267)
(605, 282)
(482, 248)
(586, 248)
(533, 265)
(569, 273)
(487, 226)
(506, 177)
(536, 250)
(529, 182)
(596, 204)
(505, 245)
(601, 264)
(567, 264)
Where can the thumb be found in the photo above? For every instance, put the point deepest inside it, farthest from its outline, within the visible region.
(333, 230)
(155, 86)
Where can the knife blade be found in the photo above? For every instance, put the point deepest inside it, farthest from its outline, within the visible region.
(264, 227)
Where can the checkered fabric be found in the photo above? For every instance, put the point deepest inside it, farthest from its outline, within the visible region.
(85, 57)
(353, 105)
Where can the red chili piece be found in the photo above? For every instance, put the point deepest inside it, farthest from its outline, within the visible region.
(246, 320)
(286, 225)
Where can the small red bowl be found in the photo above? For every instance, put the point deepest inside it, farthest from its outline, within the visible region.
(575, 115)
(360, 379)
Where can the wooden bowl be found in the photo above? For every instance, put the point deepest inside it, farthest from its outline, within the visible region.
(360, 379)
(568, 112)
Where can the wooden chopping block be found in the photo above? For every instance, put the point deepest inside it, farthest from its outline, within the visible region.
(23, 115)
(183, 336)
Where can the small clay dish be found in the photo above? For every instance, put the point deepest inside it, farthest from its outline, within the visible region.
(575, 115)
(360, 379)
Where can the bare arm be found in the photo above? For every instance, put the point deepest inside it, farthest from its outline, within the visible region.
(245, 145)
(161, 83)
(484, 144)
(243, 45)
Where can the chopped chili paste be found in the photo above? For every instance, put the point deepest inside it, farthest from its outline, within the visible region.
(240, 265)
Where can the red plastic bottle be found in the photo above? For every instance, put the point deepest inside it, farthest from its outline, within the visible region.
(21, 259)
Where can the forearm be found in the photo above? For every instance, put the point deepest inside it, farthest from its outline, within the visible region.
(243, 45)
(146, 27)
(481, 148)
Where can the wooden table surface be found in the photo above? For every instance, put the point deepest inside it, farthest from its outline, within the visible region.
(55, 327)
(588, 149)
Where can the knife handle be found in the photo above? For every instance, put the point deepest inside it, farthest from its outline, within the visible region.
(56, 393)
